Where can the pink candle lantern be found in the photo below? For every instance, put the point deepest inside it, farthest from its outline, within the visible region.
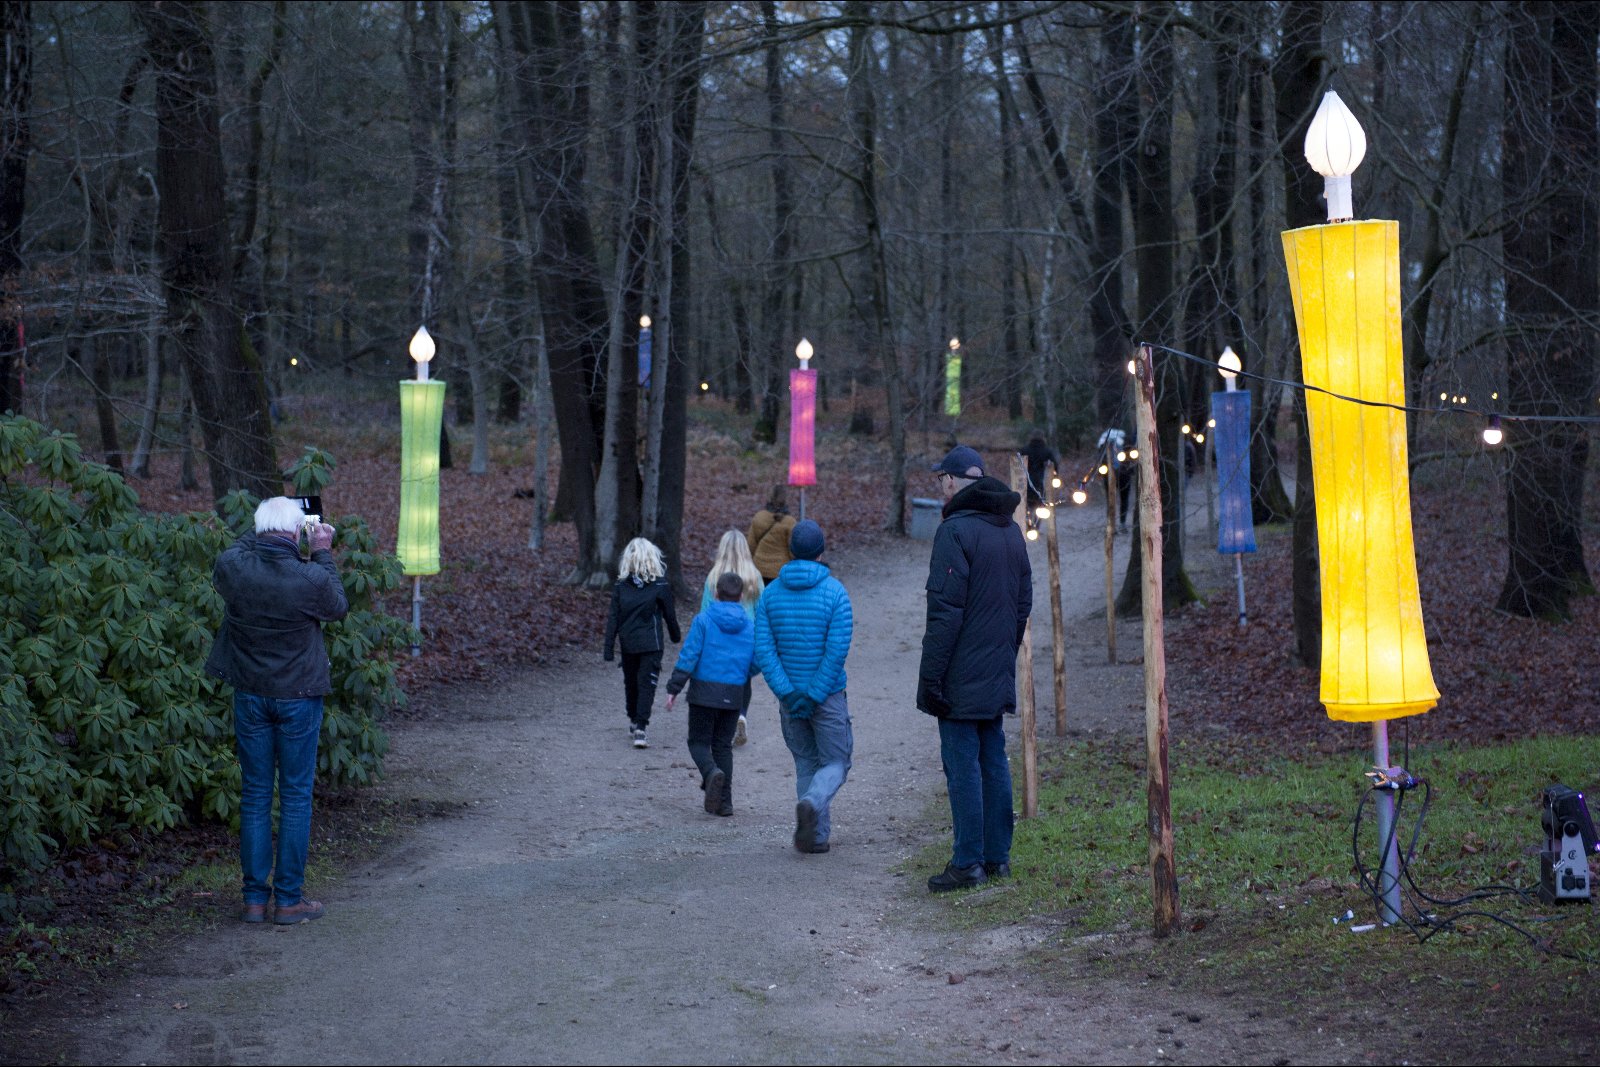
(803, 419)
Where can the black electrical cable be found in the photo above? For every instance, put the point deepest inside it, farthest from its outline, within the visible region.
(1426, 925)
(1506, 416)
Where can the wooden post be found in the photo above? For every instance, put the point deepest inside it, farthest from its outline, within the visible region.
(1058, 633)
(1111, 549)
(1163, 868)
(1025, 705)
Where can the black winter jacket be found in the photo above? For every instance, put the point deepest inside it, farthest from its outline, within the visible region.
(275, 603)
(980, 591)
(635, 608)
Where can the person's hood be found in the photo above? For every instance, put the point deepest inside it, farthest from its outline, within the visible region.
(989, 497)
(729, 616)
(802, 573)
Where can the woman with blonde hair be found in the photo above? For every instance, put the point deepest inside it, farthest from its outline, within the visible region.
(733, 557)
(640, 600)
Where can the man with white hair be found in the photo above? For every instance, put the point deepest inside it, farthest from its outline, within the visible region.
(270, 650)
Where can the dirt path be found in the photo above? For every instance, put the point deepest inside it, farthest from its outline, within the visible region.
(574, 904)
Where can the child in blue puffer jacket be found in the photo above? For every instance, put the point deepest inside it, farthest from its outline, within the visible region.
(716, 662)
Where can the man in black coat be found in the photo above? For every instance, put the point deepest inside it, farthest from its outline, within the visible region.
(980, 591)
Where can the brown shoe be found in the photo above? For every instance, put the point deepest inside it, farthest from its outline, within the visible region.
(302, 912)
(253, 913)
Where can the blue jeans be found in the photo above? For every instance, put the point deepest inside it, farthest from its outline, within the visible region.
(979, 780)
(821, 746)
(277, 744)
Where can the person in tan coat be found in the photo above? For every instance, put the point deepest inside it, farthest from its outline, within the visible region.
(769, 534)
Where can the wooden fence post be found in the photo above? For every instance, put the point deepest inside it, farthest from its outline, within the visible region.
(1163, 868)
(1111, 548)
(1058, 633)
(1025, 705)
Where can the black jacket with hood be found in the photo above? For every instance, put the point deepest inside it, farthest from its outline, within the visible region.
(980, 591)
(636, 605)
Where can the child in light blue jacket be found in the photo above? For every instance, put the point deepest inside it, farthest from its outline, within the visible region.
(716, 663)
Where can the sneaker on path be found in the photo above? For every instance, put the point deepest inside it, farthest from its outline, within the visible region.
(639, 740)
(739, 735)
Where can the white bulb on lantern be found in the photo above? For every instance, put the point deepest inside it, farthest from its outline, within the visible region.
(644, 322)
(1335, 146)
(422, 350)
(803, 352)
(1229, 365)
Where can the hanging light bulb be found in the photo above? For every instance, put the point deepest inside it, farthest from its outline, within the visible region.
(1211, 424)
(1443, 395)
(1492, 434)
(1079, 496)
(1033, 535)
(1104, 470)
(1133, 453)
(1055, 483)
(1199, 438)
(1041, 512)
(1187, 429)
(1122, 457)
(1335, 146)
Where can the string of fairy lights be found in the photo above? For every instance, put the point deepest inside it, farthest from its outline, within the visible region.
(1493, 433)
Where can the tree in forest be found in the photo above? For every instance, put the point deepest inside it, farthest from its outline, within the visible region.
(16, 26)
(1155, 237)
(203, 319)
(1300, 76)
(1552, 254)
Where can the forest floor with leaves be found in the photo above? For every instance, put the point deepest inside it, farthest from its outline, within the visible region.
(541, 892)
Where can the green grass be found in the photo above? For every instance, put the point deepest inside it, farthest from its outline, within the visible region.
(1264, 862)
(1275, 835)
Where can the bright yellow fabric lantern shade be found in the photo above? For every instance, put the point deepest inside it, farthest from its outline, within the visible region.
(1345, 280)
(421, 417)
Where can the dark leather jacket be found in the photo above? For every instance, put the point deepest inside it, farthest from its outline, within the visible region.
(275, 603)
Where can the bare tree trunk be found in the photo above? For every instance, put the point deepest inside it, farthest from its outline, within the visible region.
(1300, 77)
(228, 387)
(1552, 251)
(872, 304)
(541, 438)
(685, 65)
(551, 75)
(150, 412)
(16, 141)
(775, 338)
(1155, 238)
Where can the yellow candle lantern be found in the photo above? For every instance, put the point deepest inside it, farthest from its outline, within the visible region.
(1345, 281)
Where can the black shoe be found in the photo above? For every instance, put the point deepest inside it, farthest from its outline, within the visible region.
(953, 878)
(997, 870)
(805, 827)
(714, 783)
(818, 848)
(725, 808)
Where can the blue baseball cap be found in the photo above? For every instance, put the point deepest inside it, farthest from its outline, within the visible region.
(960, 461)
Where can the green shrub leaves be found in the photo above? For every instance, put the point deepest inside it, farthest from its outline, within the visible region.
(106, 615)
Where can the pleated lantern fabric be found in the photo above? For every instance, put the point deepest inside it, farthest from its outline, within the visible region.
(1345, 280)
(1231, 441)
(802, 427)
(421, 416)
(952, 385)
